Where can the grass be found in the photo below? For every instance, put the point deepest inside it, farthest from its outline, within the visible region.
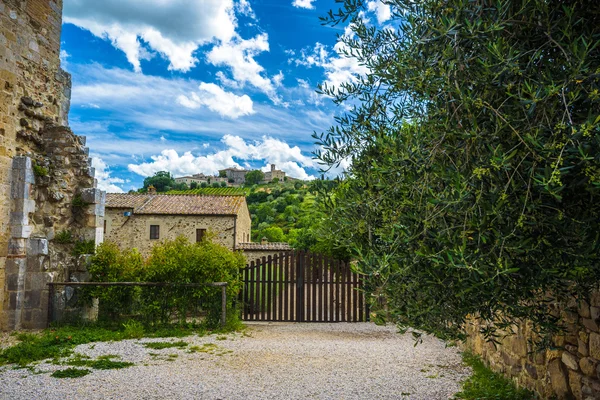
(103, 362)
(70, 373)
(59, 342)
(485, 384)
(165, 345)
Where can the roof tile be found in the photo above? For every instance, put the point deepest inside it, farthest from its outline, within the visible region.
(176, 204)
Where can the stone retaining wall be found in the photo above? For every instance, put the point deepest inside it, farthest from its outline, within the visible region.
(568, 370)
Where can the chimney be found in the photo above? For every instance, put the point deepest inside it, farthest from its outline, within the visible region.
(151, 189)
(264, 240)
(272, 167)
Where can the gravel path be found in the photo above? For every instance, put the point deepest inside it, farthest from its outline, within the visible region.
(268, 361)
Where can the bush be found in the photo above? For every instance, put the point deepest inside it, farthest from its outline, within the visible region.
(84, 247)
(63, 237)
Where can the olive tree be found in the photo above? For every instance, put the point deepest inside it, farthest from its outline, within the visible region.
(474, 141)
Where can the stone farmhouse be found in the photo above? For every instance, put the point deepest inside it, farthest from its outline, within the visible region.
(274, 174)
(141, 220)
(237, 176)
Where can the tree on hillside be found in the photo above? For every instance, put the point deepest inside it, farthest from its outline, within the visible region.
(254, 177)
(162, 182)
(475, 149)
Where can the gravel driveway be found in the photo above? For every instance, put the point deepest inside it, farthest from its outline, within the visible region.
(269, 361)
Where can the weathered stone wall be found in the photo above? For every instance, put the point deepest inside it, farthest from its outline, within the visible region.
(253, 255)
(134, 231)
(44, 168)
(569, 370)
(243, 225)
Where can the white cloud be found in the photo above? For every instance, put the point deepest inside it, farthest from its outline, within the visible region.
(268, 150)
(216, 99)
(338, 68)
(64, 57)
(173, 28)
(382, 11)
(238, 54)
(105, 180)
(303, 4)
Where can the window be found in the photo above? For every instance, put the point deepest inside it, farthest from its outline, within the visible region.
(105, 226)
(200, 234)
(154, 231)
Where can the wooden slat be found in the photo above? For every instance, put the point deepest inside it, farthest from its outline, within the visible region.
(293, 299)
(342, 288)
(245, 301)
(269, 298)
(331, 291)
(361, 298)
(288, 288)
(280, 287)
(263, 289)
(252, 288)
(320, 276)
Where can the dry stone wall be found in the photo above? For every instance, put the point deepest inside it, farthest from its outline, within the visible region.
(570, 369)
(46, 180)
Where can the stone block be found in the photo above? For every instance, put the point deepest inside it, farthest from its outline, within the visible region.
(595, 313)
(82, 140)
(12, 282)
(15, 266)
(92, 195)
(21, 231)
(590, 324)
(582, 348)
(24, 206)
(575, 384)
(21, 162)
(21, 190)
(595, 345)
(558, 379)
(37, 246)
(570, 361)
(36, 263)
(17, 247)
(19, 218)
(588, 366)
(32, 299)
(584, 309)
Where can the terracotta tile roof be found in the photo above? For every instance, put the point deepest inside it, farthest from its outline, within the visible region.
(176, 204)
(264, 246)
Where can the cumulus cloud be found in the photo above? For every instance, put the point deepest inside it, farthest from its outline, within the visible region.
(268, 150)
(338, 68)
(382, 11)
(105, 180)
(216, 99)
(159, 24)
(303, 4)
(238, 54)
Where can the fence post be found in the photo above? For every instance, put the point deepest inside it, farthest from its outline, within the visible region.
(223, 305)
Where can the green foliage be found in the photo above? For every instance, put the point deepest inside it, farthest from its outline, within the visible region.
(487, 385)
(38, 170)
(216, 185)
(214, 191)
(475, 149)
(273, 234)
(70, 373)
(223, 184)
(59, 342)
(133, 329)
(84, 247)
(165, 345)
(194, 185)
(162, 182)
(255, 177)
(204, 185)
(63, 237)
(180, 261)
(275, 180)
(103, 363)
(222, 174)
(78, 202)
(110, 264)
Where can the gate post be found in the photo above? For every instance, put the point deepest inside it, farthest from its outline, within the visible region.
(300, 286)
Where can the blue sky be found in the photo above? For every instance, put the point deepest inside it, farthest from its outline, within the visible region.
(193, 86)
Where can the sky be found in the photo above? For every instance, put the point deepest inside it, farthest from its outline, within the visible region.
(194, 86)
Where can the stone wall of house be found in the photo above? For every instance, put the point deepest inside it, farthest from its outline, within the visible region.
(134, 231)
(568, 370)
(46, 180)
(243, 225)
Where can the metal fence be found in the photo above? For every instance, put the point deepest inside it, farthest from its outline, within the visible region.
(148, 302)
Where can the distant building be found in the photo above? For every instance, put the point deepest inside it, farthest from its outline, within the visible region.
(237, 176)
(199, 179)
(274, 173)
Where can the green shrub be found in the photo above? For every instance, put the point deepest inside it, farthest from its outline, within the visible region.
(38, 170)
(70, 373)
(63, 237)
(78, 201)
(84, 247)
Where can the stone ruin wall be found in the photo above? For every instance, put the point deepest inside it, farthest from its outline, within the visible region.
(570, 369)
(47, 185)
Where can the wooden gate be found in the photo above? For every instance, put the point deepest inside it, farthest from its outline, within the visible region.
(300, 286)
